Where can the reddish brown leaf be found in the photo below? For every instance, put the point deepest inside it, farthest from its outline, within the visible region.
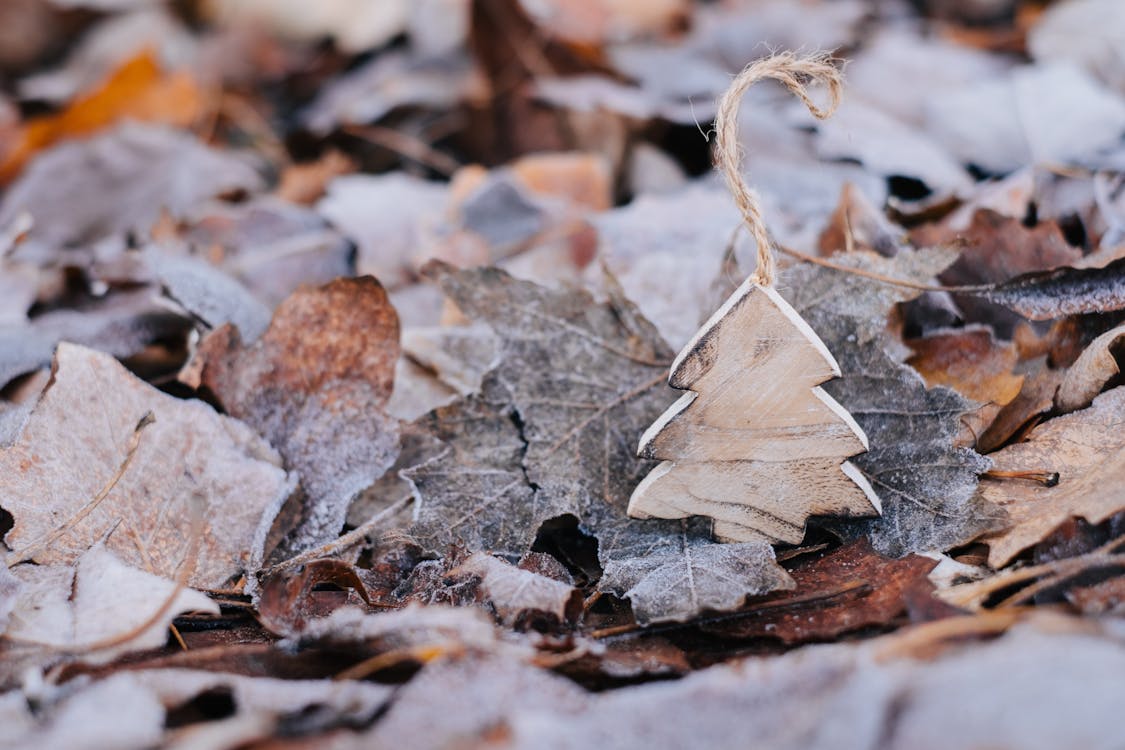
(291, 597)
(315, 385)
(837, 592)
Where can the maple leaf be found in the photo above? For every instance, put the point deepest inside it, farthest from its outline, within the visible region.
(554, 432)
(674, 571)
(927, 485)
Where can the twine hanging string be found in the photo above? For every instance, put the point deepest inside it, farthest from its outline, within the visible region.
(795, 73)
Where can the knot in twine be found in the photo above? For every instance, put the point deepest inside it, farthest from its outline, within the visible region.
(795, 73)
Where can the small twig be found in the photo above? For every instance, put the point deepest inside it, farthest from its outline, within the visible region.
(358, 535)
(967, 289)
(37, 546)
(405, 145)
(1046, 478)
(379, 662)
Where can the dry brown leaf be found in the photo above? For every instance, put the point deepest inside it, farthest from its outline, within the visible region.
(317, 391)
(839, 591)
(306, 183)
(970, 361)
(137, 90)
(1064, 291)
(77, 439)
(1090, 373)
(997, 249)
(860, 223)
(1087, 449)
(1036, 398)
(295, 595)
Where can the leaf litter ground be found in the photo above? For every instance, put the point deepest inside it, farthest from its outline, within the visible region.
(270, 477)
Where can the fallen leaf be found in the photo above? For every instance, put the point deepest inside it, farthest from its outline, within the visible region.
(1090, 373)
(857, 221)
(121, 324)
(317, 392)
(1086, 450)
(107, 45)
(475, 698)
(97, 610)
(116, 712)
(520, 597)
(927, 484)
(1026, 116)
(889, 147)
(387, 216)
(848, 694)
(442, 629)
(306, 183)
(549, 435)
(1065, 291)
(211, 295)
(670, 573)
(835, 592)
(1084, 32)
(291, 597)
(387, 82)
(137, 90)
(997, 249)
(84, 192)
(74, 450)
(1036, 398)
(270, 246)
(970, 361)
(10, 588)
(1100, 599)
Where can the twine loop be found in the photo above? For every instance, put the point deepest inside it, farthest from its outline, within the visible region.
(795, 73)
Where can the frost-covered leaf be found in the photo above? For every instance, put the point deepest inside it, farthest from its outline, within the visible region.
(518, 596)
(927, 485)
(99, 609)
(317, 391)
(120, 324)
(670, 573)
(272, 247)
(211, 295)
(82, 192)
(387, 216)
(554, 433)
(1065, 291)
(856, 696)
(78, 438)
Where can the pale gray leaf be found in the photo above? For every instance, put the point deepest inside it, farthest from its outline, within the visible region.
(927, 485)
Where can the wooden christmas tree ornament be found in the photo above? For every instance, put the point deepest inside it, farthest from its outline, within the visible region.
(755, 443)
